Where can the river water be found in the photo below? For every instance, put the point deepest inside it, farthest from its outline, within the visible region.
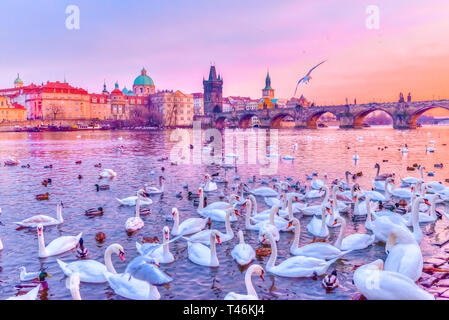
(327, 150)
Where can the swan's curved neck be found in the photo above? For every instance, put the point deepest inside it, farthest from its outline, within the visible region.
(41, 242)
(290, 208)
(295, 243)
(433, 207)
(356, 205)
(415, 218)
(378, 171)
(228, 222)
(176, 223)
(326, 196)
(166, 246)
(272, 213)
(323, 221)
(249, 284)
(59, 213)
(337, 243)
(138, 207)
(241, 238)
(108, 261)
(75, 291)
(274, 253)
(213, 250)
(201, 201)
(248, 215)
(387, 189)
(253, 204)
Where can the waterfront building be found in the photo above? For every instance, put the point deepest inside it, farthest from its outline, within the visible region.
(143, 84)
(173, 108)
(198, 103)
(252, 105)
(227, 106)
(10, 111)
(213, 92)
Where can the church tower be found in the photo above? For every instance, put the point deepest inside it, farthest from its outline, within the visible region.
(268, 92)
(213, 92)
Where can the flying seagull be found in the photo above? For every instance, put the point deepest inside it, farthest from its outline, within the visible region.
(307, 77)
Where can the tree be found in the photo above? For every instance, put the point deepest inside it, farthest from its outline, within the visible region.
(55, 109)
(139, 115)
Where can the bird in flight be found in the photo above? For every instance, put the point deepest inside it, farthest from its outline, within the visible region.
(307, 77)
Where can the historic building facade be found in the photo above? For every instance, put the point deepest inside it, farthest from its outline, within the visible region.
(10, 111)
(213, 92)
(174, 108)
(268, 101)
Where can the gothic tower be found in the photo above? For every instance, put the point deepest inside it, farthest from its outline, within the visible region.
(213, 92)
(268, 91)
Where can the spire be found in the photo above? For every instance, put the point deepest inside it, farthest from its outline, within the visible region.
(143, 71)
(212, 73)
(116, 85)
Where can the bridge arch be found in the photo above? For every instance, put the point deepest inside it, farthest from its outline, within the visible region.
(360, 117)
(276, 121)
(221, 122)
(415, 116)
(245, 120)
(312, 120)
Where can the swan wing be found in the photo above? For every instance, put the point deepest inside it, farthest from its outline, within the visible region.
(62, 244)
(90, 271)
(199, 253)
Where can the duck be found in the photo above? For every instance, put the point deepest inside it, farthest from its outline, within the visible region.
(297, 266)
(98, 165)
(12, 162)
(375, 283)
(243, 253)
(28, 276)
(92, 271)
(81, 250)
(319, 250)
(202, 255)
(30, 295)
(34, 221)
(318, 227)
(330, 282)
(355, 241)
(94, 212)
(108, 173)
(155, 190)
(44, 196)
(135, 223)
(204, 235)
(162, 253)
(100, 237)
(188, 226)
(251, 293)
(57, 246)
(102, 187)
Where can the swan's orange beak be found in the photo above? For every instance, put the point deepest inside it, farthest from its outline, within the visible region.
(261, 275)
(122, 256)
(263, 239)
(427, 202)
(296, 199)
(335, 222)
(237, 213)
(340, 188)
(289, 224)
(237, 198)
(354, 198)
(328, 211)
(218, 240)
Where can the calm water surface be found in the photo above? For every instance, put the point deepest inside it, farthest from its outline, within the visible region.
(325, 150)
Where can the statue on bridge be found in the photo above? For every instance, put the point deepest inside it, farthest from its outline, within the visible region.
(409, 97)
(401, 97)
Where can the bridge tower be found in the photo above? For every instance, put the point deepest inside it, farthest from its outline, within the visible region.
(213, 93)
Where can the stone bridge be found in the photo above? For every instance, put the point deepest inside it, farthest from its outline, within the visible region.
(404, 115)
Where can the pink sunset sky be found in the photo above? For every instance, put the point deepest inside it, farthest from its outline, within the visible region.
(177, 41)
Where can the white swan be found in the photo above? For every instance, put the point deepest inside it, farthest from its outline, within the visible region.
(188, 226)
(297, 266)
(404, 254)
(132, 201)
(57, 246)
(135, 223)
(382, 225)
(313, 194)
(264, 192)
(423, 217)
(319, 250)
(355, 241)
(131, 288)
(318, 227)
(412, 180)
(268, 227)
(316, 209)
(204, 235)
(222, 205)
(265, 215)
(209, 186)
(30, 295)
(46, 221)
(251, 292)
(361, 208)
(92, 271)
(161, 254)
(377, 284)
(202, 255)
(396, 192)
(108, 173)
(243, 253)
(280, 223)
(156, 190)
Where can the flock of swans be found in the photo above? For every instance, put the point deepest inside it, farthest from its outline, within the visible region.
(319, 205)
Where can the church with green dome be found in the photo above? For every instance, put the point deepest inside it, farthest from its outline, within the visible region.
(143, 84)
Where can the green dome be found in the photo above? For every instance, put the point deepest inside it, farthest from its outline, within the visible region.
(143, 79)
(18, 80)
